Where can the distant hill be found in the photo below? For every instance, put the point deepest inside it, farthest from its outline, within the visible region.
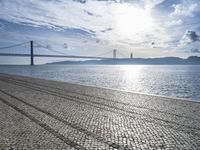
(192, 60)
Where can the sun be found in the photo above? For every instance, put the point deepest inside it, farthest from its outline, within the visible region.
(130, 20)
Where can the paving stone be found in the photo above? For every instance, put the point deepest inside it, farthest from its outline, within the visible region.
(83, 117)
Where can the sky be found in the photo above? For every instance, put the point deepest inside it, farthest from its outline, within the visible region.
(147, 28)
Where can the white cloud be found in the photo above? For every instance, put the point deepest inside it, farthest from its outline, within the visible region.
(174, 23)
(149, 4)
(64, 14)
(185, 9)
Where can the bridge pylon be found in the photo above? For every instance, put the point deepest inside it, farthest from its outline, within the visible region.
(131, 55)
(32, 57)
(114, 54)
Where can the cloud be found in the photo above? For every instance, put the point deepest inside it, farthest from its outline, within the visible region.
(189, 42)
(57, 14)
(99, 18)
(104, 20)
(174, 23)
(185, 9)
(106, 30)
(97, 41)
(192, 50)
(149, 4)
(81, 1)
(195, 50)
(89, 13)
(189, 37)
(2, 26)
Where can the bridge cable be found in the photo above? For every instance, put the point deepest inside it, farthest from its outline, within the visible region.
(103, 54)
(121, 54)
(11, 46)
(49, 48)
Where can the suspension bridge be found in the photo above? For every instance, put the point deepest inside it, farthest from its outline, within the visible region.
(33, 46)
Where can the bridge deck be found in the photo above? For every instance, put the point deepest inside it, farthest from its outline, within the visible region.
(56, 56)
(42, 114)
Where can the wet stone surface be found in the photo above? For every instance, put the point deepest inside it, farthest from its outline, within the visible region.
(42, 114)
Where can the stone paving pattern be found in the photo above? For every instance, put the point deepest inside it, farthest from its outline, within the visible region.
(42, 114)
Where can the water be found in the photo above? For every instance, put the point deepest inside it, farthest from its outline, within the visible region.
(174, 81)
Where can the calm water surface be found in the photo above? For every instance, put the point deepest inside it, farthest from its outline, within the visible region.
(174, 81)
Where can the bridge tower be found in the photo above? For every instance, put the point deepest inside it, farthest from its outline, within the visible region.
(131, 55)
(114, 54)
(32, 57)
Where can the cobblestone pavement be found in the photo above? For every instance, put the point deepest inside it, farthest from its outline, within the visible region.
(42, 114)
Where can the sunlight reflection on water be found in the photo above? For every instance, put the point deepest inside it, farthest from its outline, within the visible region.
(175, 81)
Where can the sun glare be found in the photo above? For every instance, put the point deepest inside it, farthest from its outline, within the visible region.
(130, 20)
